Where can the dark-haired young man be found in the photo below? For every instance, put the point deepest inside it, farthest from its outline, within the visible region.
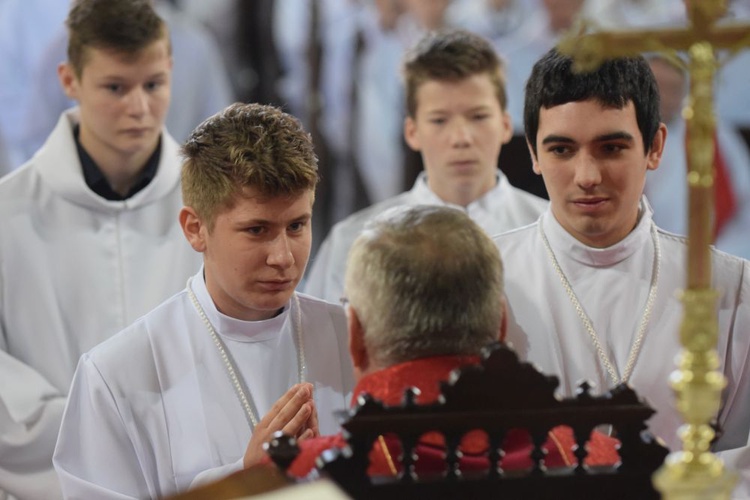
(592, 285)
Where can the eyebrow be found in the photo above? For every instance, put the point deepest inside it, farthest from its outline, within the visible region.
(614, 136)
(436, 111)
(557, 138)
(120, 78)
(265, 222)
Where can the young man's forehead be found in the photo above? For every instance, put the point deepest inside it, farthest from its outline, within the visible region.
(450, 82)
(606, 122)
(263, 196)
(129, 57)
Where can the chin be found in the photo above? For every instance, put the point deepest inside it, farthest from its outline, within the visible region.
(276, 301)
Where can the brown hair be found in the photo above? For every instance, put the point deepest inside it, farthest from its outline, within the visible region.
(246, 145)
(126, 27)
(451, 55)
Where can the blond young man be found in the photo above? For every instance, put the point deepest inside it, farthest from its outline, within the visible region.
(190, 392)
(90, 234)
(457, 120)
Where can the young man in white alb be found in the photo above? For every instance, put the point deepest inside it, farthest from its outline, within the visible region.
(90, 237)
(456, 104)
(592, 287)
(191, 391)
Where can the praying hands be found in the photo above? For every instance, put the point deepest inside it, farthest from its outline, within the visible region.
(294, 414)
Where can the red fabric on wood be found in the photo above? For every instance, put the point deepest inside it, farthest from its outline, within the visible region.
(388, 385)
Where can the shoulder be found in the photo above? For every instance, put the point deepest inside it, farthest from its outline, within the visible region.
(517, 236)
(170, 153)
(676, 245)
(353, 224)
(142, 340)
(669, 238)
(730, 273)
(321, 310)
(335, 247)
(525, 198)
(16, 183)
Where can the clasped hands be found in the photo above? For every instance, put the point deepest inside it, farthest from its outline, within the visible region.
(294, 414)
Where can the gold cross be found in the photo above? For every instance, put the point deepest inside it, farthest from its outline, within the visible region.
(694, 472)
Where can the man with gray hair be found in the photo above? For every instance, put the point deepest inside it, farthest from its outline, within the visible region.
(425, 294)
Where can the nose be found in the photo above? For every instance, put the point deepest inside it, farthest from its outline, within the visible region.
(460, 134)
(588, 172)
(137, 102)
(280, 253)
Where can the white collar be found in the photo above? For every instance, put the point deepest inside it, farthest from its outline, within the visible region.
(232, 328)
(492, 197)
(565, 245)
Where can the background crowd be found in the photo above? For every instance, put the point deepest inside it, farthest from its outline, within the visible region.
(335, 64)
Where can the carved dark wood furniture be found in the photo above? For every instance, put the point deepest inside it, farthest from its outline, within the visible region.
(499, 395)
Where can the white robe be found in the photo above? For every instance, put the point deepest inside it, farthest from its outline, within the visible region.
(503, 208)
(74, 270)
(152, 411)
(612, 285)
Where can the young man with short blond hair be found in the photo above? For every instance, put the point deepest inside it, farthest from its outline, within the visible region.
(191, 391)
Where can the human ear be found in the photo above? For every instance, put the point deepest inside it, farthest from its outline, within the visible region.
(68, 80)
(193, 228)
(410, 133)
(507, 127)
(503, 319)
(534, 160)
(657, 147)
(357, 348)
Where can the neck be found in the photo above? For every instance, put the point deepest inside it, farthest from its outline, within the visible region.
(463, 195)
(120, 170)
(604, 241)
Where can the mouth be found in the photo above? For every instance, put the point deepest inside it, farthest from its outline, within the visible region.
(276, 285)
(463, 164)
(137, 131)
(590, 203)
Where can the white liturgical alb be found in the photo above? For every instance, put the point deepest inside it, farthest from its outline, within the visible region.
(153, 411)
(612, 285)
(502, 208)
(75, 269)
